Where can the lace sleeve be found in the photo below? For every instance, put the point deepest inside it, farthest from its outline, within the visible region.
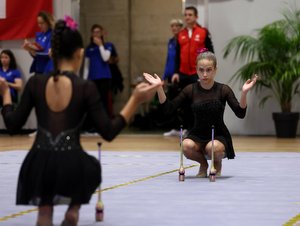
(106, 127)
(170, 106)
(233, 102)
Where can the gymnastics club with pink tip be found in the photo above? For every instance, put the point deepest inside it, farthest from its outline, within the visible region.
(99, 206)
(213, 171)
(181, 170)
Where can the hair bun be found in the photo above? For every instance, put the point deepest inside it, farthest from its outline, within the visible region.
(60, 26)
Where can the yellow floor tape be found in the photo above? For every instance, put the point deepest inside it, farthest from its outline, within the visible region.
(293, 221)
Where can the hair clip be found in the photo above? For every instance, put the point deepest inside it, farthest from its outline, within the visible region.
(70, 23)
(203, 50)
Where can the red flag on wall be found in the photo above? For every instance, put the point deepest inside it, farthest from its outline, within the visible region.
(20, 18)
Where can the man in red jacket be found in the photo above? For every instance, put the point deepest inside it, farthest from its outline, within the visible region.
(191, 40)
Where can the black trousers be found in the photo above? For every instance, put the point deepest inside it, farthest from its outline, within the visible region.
(104, 89)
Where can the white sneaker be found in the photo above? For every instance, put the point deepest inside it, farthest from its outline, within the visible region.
(33, 134)
(184, 133)
(172, 133)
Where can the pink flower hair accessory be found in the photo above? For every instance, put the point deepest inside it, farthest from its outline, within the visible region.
(70, 23)
(203, 50)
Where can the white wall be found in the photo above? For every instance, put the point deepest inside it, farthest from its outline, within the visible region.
(61, 8)
(230, 18)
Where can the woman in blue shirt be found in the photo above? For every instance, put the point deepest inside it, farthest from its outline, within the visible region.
(97, 54)
(39, 50)
(9, 71)
(171, 66)
(172, 58)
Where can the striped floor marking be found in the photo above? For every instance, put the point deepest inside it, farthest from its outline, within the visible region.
(293, 221)
(5, 218)
(17, 214)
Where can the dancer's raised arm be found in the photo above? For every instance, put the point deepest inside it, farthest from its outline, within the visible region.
(246, 87)
(155, 79)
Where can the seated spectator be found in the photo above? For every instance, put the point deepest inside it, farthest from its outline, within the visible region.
(9, 72)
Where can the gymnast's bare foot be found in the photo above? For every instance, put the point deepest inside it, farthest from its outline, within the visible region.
(45, 215)
(203, 170)
(71, 216)
(218, 166)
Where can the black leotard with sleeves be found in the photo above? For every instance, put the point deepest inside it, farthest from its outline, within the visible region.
(208, 109)
(57, 169)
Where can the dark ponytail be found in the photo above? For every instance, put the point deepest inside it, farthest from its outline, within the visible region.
(55, 45)
(65, 41)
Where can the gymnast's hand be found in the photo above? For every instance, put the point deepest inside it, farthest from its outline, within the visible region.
(26, 45)
(144, 92)
(175, 78)
(98, 41)
(152, 79)
(249, 84)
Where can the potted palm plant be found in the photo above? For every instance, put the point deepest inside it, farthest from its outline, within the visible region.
(273, 54)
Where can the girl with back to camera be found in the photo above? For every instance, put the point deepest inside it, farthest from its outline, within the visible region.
(207, 99)
(57, 170)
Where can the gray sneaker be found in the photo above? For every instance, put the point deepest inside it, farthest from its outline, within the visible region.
(172, 133)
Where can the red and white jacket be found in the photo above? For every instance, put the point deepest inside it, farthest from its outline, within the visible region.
(190, 48)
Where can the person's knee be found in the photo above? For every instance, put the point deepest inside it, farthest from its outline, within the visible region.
(188, 147)
(219, 150)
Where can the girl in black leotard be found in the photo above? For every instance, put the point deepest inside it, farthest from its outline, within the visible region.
(207, 99)
(57, 170)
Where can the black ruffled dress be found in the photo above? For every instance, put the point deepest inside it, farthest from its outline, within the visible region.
(208, 109)
(57, 170)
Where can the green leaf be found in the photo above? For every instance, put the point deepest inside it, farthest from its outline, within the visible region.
(274, 54)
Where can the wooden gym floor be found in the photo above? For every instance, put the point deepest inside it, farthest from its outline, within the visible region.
(156, 142)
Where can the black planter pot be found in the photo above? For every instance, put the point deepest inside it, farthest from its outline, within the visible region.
(286, 124)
